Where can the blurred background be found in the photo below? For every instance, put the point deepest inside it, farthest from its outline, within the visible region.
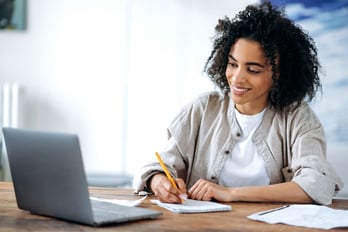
(116, 72)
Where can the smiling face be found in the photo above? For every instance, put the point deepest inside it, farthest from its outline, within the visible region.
(249, 76)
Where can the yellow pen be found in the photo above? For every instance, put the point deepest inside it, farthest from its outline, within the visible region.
(165, 169)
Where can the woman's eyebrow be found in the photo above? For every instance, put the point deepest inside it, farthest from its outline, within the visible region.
(247, 63)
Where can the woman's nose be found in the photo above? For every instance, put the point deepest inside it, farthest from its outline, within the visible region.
(236, 75)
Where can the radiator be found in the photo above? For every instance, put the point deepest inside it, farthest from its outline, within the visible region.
(9, 104)
(9, 117)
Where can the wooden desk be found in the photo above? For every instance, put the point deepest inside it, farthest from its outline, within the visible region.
(14, 219)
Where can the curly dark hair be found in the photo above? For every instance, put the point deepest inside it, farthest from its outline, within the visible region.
(295, 78)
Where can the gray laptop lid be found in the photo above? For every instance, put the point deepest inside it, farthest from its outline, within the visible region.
(49, 177)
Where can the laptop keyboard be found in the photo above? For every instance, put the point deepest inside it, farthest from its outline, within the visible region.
(104, 211)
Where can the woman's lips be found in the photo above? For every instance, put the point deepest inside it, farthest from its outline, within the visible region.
(240, 90)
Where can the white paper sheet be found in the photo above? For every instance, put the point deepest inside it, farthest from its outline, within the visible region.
(312, 216)
(129, 203)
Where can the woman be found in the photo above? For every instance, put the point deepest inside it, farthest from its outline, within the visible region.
(256, 139)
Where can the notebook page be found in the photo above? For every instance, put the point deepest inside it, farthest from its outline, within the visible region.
(194, 206)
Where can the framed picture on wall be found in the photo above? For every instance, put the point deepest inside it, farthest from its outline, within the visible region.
(12, 14)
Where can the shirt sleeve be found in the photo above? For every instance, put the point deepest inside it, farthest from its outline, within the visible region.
(309, 167)
(317, 178)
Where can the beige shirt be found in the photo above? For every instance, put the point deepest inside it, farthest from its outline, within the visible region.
(205, 132)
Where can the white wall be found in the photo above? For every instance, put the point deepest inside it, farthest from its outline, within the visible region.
(113, 71)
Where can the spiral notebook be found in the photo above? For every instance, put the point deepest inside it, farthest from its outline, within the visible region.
(194, 206)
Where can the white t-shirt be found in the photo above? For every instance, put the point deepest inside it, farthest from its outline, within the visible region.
(244, 166)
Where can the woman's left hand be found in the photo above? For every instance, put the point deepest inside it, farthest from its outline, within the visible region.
(206, 191)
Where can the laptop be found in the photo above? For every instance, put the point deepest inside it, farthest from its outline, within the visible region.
(49, 179)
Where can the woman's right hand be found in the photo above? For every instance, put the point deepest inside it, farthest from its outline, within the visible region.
(164, 189)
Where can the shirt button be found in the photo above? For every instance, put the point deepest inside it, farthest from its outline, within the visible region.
(227, 152)
(238, 134)
(213, 177)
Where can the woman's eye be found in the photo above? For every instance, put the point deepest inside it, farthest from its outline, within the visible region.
(252, 70)
(234, 65)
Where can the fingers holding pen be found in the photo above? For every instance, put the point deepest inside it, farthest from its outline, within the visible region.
(164, 189)
(181, 185)
(173, 188)
(182, 189)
